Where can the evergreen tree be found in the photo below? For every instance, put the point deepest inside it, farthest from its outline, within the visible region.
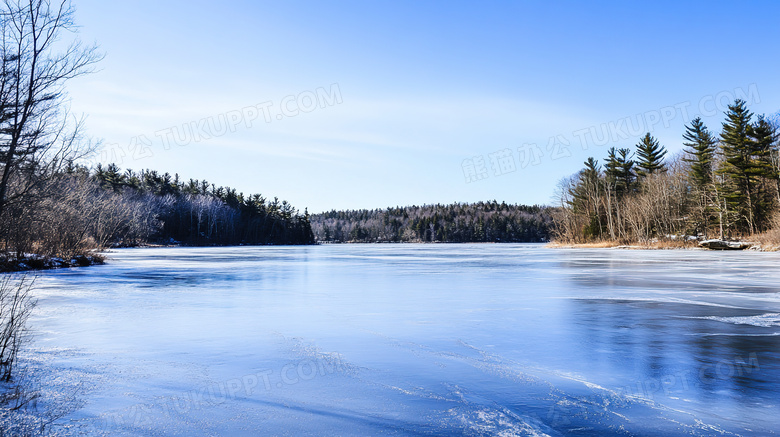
(700, 147)
(586, 196)
(650, 156)
(612, 166)
(762, 139)
(131, 180)
(591, 174)
(739, 166)
(109, 177)
(619, 169)
(774, 154)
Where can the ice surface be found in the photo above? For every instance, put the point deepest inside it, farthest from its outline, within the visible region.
(514, 340)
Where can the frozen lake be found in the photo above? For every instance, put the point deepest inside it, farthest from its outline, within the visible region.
(479, 339)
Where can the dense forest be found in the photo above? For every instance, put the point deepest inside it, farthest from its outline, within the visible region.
(455, 223)
(724, 185)
(78, 209)
(198, 213)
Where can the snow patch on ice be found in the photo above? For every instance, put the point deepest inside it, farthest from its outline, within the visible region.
(504, 423)
(768, 320)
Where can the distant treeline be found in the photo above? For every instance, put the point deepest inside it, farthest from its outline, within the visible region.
(455, 223)
(198, 213)
(724, 184)
(79, 209)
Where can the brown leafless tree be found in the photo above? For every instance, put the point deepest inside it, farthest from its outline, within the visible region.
(16, 304)
(37, 136)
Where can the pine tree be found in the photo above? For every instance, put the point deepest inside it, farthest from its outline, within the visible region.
(131, 180)
(587, 186)
(650, 156)
(774, 154)
(619, 167)
(110, 177)
(762, 138)
(740, 166)
(700, 146)
(612, 167)
(586, 197)
(592, 170)
(627, 174)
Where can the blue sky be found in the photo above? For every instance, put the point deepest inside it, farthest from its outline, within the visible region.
(395, 103)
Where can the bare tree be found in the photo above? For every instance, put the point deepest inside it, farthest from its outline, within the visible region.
(16, 304)
(36, 133)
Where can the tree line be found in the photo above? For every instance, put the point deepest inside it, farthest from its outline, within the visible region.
(724, 185)
(454, 223)
(81, 209)
(198, 213)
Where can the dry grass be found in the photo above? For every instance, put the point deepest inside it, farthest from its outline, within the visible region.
(768, 241)
(609, 244)
(591, 245)
(674, 244)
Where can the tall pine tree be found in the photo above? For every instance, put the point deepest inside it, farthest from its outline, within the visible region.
(762, 139)
(619, 169)
(650, 156)
(741, 166)
(586, 195)
(700, 148)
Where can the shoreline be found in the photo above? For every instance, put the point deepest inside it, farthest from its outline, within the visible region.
(616, 245)
(662, 245)
(33, 262)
